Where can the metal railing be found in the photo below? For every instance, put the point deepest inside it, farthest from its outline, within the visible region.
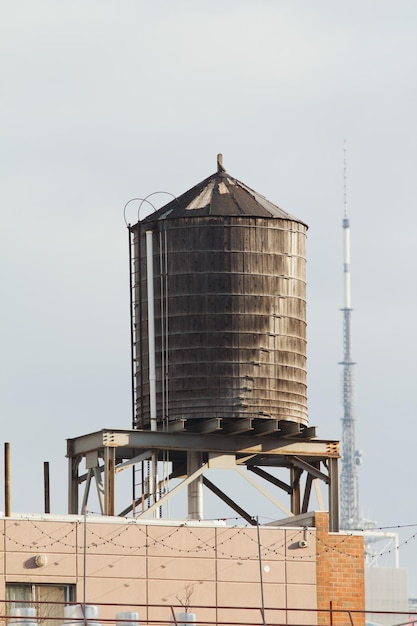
(23, 613)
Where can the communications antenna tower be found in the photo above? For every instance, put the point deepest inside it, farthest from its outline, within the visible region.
(351, 458)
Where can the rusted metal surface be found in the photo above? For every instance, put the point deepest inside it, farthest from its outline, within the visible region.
(7, 479)
(230, 319)
(132, 442)
(109, 451)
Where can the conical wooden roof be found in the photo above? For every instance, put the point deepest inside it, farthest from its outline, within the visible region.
(220, 195)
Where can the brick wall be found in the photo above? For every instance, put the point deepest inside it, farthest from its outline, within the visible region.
(340, 576)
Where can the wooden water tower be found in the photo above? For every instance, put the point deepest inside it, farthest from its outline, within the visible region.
(218, 309)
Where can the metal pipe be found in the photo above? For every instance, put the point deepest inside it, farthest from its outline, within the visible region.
(162, 313)
(46, 492)
(132, 333)
(154, 482)
(85, 567)
(166, 375)
(260, 572)
(7, 479)
(195, 489)
(140, 315)
(152, 368)
(151, 328)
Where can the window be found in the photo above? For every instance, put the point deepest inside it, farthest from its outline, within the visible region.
(49, 600)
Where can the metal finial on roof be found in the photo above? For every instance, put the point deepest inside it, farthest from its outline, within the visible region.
(220, 167)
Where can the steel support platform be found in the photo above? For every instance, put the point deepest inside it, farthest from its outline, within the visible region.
(109, 451)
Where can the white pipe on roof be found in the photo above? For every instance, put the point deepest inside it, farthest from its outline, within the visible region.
(152, 368)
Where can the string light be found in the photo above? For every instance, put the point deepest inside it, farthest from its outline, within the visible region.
(218, 543)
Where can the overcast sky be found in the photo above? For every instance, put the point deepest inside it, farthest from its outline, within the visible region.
(102, 101)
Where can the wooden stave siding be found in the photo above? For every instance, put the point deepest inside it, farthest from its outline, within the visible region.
(216, 355)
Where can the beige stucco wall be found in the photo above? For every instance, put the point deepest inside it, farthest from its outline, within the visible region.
(147, 565)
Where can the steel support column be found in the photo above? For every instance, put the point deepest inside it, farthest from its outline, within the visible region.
(73, 464)
(109, 472)
(333, 495)
(195, 489)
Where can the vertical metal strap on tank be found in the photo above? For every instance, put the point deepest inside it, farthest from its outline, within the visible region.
(163, 273)
(151, 328)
